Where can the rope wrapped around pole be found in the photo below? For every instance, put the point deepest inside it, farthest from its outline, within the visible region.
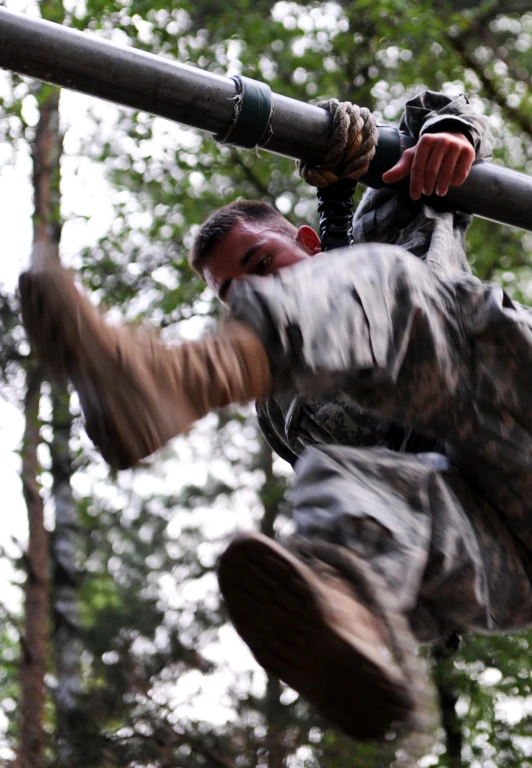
(351, 146)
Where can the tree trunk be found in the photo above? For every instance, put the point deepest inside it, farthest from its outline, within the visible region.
(46, 154)
(276, 723)
(443, 654)
(269, 494)
(65, 582)
(275, 712)
(33, 661)
(451, 724)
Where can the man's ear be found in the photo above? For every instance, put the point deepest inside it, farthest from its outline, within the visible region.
(308, 239)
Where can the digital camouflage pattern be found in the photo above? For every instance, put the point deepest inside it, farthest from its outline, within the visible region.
(421, 459)
(438, 237)
(447, 356)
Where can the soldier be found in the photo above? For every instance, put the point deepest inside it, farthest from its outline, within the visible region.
(399, 384)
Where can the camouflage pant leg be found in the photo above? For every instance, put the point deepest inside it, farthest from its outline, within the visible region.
(450, 357)
(444, 553)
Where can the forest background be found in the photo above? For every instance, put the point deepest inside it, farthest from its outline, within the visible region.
(117, 651)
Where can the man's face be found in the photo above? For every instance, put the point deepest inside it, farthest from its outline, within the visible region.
(256, 249)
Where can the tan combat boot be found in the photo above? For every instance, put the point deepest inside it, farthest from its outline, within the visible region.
(135, 393)
(306, 626)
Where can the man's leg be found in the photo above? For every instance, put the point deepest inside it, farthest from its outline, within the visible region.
(311, 616)
(381, 538)
(449, 357)
(135, 393)
(442, 550)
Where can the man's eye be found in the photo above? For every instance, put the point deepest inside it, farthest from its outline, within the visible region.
(262, 266)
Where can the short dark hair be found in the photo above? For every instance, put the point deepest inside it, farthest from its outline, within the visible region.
(220, 222)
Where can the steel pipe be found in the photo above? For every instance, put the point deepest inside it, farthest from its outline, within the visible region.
(188, 95)
(132, 78)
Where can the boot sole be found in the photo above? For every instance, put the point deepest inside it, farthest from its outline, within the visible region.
(276, 611)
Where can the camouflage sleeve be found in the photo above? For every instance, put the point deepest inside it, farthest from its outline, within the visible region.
(431, 112)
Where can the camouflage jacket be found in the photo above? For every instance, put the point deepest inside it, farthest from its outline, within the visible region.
(436, 235)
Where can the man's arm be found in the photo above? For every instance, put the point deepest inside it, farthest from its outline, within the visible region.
(450, 137)
(431, 112)
(437, 161)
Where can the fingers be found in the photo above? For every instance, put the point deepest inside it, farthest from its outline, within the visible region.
(400, 169)
(462, 168)
(447, 169)
(437, 161)
(423, 151)
(428, 175)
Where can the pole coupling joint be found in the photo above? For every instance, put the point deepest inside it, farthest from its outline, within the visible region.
(253, 111)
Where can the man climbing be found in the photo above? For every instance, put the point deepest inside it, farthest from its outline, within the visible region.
(400, 384)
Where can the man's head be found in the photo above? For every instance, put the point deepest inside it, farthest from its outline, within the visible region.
(248, 237)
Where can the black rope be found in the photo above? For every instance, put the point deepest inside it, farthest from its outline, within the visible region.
(335, 207)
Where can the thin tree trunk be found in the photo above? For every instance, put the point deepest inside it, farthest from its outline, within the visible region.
(268, 495)
(46, 153)
(275, 712)
(65, 544)
(443, 654)
(33, 661)
(46, 156)
(66, 640)
(451, 724)
(276, 724)
(65, 582)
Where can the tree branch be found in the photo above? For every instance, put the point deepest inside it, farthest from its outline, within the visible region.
(468, 61)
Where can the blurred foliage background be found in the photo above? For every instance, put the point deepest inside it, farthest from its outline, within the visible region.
(120, 654)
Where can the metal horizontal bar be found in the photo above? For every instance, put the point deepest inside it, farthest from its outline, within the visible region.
(132, 78)
(188, 95)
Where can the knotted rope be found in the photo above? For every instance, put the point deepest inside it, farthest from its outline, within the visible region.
(351, 146)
